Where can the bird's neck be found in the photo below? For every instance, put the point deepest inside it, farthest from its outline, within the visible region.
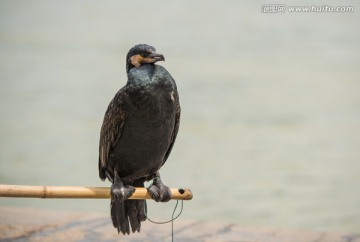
(141, 75)
(130, 66)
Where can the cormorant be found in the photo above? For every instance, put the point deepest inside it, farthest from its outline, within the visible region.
(137, 135)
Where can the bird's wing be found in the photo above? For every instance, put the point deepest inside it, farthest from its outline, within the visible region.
(111, 130)
(175, 131)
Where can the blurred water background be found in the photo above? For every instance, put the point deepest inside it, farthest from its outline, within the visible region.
(269, 133)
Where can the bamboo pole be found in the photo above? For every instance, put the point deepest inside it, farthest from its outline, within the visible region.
(80, 192)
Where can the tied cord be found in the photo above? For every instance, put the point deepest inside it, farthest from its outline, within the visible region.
(172, 217)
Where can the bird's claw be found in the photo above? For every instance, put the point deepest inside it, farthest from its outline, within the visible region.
(121, 192)
(159, 192)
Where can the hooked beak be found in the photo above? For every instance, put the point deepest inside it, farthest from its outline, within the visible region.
(156, 57)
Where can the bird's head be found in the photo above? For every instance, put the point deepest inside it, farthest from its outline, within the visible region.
(142, 54)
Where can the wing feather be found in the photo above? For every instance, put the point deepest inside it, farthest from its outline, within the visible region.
(175, 131)
(111, 130)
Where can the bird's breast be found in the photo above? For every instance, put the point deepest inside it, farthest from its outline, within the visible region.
(147, 134)
(156, 101)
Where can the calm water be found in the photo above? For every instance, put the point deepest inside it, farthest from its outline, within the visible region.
(269, 132)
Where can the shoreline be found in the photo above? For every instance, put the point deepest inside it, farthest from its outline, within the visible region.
(34, 224)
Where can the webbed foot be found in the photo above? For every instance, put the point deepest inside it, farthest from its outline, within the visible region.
(158, 191)
(121, 192)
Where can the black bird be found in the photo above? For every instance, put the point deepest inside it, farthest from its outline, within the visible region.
(137, 135)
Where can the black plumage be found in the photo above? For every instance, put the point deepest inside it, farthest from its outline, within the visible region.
(137, 136)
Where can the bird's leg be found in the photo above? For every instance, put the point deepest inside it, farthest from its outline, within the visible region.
(158, 191)
(119, 191)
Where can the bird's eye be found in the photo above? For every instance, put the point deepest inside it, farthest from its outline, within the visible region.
(144, 54)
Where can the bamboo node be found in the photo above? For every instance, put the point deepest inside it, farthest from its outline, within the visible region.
(44, 192)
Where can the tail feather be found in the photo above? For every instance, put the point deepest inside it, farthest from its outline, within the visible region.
(119, 217)
(135, 209)
(128, 213)
(141, 210)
